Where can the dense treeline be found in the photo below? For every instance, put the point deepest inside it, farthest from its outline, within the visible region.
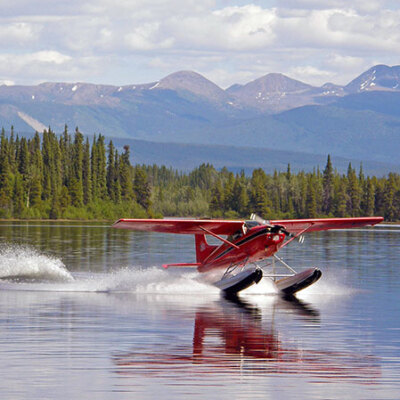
(68, 176)
(208, 192)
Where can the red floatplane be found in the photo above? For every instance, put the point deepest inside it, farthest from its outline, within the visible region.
(241, 259)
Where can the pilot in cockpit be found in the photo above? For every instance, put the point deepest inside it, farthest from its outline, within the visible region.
(235, 236)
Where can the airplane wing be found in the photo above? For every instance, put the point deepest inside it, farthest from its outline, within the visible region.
(222, 227)
(296, 226)
(182, 226)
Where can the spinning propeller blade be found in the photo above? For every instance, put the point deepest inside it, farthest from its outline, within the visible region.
(262, 221)
(257, 218)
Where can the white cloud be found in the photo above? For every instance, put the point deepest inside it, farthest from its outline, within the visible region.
(40, 57)
(147, 37)
(124, 41)
(363, 6)
(6, 82)
(309, 74)
(244, 28)
(44, 66)
(342, 62)
(52, 57)
(17, 33)
(342, 30)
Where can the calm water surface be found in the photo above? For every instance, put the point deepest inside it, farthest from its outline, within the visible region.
(86, 312)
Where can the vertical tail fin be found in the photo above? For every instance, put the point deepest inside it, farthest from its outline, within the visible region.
(203, 249)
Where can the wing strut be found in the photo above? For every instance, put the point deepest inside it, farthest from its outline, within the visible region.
(219, 237)
(297, 235)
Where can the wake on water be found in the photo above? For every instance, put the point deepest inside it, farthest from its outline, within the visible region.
(22, 263)
(24, 268)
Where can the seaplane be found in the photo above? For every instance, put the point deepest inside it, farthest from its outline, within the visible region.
(247, 249)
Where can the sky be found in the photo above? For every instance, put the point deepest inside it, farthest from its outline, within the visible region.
(121, 42)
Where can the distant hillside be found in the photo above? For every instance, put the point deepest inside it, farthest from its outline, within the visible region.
(378, 78)
(188, 156)
(358, 121)
(273, 93)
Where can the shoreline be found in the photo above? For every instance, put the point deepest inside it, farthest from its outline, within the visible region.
(113, 220)
(57, 220)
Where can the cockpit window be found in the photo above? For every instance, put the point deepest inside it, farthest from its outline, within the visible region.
(251, 224)
(235, 236)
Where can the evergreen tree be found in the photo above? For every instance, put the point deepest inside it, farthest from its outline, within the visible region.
(86, 174)
(35, 173)
(217, 200)
(369, 197)
(47, 157)
(111, 173)
(5, 178)
(141, 188)
(23, 158)
(341, 198)
(354, 193)
(75, 182)
(12, 150)
(301, 209)
(276, 193)
(327, 197)
(235, 203)
(259, 203)
(18, 196)
(125, 176)
(228, 192)
(56, 176)
(65, 200)
(94, 168)
(244, 201)
(101, 169)
(389, 192)
(361, 177)
(117, 196)
(311, 202)
(288, 173)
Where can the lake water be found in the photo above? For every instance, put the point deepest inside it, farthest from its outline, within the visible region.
(86, 312)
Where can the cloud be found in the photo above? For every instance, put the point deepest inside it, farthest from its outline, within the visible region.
(49, 57)
(310, 74)
(123, 41)
(6, 82)
(17, 34)
(362, 6)
(147, 37)
(342, 62)
(343, 30)
(50, 64)
(40, 57)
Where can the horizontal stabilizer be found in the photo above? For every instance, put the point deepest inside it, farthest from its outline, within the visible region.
(182, 265)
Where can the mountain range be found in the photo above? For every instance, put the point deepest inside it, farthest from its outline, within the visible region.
(357, 121)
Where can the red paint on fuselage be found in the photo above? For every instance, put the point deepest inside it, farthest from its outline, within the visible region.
(257, 244)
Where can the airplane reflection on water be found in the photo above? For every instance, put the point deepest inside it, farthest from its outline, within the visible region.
(229, 335)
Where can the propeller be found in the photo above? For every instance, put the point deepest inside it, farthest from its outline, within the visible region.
(257, 218)
(276, 228)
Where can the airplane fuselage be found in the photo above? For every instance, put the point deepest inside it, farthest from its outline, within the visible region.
(257, 244)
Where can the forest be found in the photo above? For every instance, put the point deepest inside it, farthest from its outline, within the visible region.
(69, 176)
